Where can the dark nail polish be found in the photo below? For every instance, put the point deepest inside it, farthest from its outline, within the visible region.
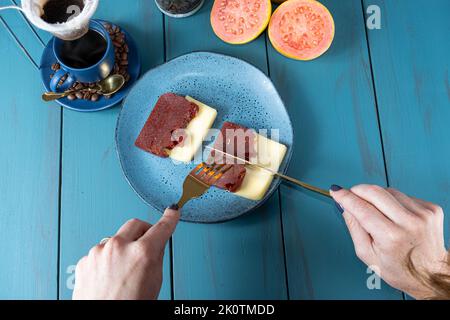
(335, 188)
(174, 207)
(339, 207)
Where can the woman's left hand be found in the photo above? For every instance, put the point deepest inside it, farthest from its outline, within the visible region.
(390, 229)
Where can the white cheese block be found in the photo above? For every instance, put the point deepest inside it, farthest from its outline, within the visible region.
(270, 154)
(197, 130)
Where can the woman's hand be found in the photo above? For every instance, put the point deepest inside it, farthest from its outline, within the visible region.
(387, 226)
(129, 265)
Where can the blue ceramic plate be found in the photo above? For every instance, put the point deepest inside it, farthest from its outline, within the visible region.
(240, 93)
(134, 69)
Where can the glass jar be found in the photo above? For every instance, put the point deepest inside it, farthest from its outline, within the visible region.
(179, 8)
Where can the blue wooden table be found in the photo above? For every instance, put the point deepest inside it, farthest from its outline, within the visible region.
(375, 108)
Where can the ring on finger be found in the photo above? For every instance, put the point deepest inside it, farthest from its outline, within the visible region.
(104, 240)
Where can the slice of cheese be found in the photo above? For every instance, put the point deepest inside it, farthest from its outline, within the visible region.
(197, 130)
(270, 154)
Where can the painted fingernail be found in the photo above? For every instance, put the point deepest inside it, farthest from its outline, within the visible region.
(335, 188)
(174, 207)
(339, 207)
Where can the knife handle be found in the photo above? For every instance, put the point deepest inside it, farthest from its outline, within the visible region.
(305, 185)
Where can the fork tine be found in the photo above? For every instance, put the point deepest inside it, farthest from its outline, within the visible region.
(219, 174)
(200, 180)
(197, 168)
(208, 171)
(207, 168)
(193, 186)
(215, 169)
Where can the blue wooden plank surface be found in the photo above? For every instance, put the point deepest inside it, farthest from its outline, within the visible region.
(17, 24)
(29, 170)
(241, 259)
(332, 106)
(42, 36)
(96, 199)
(411, 63)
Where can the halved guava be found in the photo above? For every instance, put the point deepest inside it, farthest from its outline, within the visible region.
(240, 21)
(301, 29)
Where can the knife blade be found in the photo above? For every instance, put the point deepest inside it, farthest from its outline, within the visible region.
(275, 173)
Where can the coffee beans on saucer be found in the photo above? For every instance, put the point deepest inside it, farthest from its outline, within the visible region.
(86, 91)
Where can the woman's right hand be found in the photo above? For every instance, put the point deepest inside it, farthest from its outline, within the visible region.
(129, 265)
(391, 230)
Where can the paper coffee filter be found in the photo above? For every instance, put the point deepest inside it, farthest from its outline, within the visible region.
(70, 30)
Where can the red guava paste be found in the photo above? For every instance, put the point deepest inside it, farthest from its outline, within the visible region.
(171, 113)
(239, 142)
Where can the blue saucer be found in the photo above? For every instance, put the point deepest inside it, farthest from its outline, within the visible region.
(237, 90)
(134, 69)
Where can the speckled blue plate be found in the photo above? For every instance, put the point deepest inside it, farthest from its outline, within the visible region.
(134, 69)
(240, 93)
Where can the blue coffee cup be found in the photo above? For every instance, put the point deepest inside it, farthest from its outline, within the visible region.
(94, 73)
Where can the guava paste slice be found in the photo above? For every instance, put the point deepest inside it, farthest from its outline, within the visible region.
(171, 113)
(237, 141)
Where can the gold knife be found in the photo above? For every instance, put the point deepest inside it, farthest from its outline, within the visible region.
(285, 177)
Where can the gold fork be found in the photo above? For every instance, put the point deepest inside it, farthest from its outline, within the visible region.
(200, 180)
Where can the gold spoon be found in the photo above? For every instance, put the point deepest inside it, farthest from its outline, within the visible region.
(107, 87)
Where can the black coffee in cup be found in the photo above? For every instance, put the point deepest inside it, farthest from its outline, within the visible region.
(84, 52)
(60, 11)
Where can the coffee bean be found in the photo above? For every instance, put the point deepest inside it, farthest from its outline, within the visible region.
(124, 62)
(95, 97)
(79, 86)
(79, 95)
(72, 97)
(87, 96)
